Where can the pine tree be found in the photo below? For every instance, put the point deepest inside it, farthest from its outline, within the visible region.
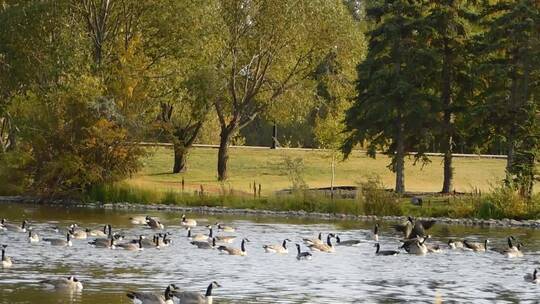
(391, 111)
(510, 68)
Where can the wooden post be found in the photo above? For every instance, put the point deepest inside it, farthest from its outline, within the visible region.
(259, 190)
(254, 189)
(183, 184)
(202, 190)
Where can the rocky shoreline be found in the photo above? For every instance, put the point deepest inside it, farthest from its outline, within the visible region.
(533, 224)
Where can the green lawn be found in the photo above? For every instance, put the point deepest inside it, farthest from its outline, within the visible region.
(263, 166)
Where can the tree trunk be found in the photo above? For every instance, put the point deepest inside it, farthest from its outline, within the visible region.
(180, 159)
(448, 123)
(399, 160)
(333, 175)
(223, 153)
(510, 153)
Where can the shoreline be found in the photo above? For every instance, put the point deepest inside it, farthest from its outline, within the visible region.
(502, 223)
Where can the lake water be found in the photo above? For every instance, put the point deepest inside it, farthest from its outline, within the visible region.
(350, 275)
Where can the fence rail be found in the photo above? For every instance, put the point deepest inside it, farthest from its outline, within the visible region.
(457, 155)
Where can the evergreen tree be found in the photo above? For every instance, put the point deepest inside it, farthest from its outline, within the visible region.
(510, 70)
(391, 111)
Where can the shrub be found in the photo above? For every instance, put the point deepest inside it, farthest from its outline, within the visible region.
(376, 200)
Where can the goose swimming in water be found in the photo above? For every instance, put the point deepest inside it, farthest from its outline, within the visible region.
(78, 234)
(228, 239)
(384, 252)
(302, 255)
(532, 278)
(339, 242)
(225, 228)
(132, 246)
(455, 244)
(97, 232)
(235, 251)
(69, 284)
(328, 247)
(193, 297)
(375, 235)
(205, 245)
(412, 229)
(317, 240)
(416, 246)
(476, 246)
(188, 222)
(199, 237)
(32, 236)
(154, 224)
(14, 228)
(6, 261)
(277, 248)
(152, 298)
(513, 251)
(59, 242)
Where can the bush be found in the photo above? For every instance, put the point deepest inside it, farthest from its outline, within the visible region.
(376, 200)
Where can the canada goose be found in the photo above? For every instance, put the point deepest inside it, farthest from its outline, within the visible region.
(15, 228)
(154, 224)
(97, 232)
(2, 228)
(205, 245)
(455, 244)
(376, 232)
(70, 284)
(412, 229)
(225, 228)
(282, 248)
(6, 261)
(434, 248)
(475, 246)
(533, 278)
(188, 222)
(384, 252)
(78, 234)
(339, 242)
(132, 246)
(152, 298)
(141, 220)
(302, 255)
(416, 246)
(59, 242)
(512, 251)
(328, 247)
(193, 297)
(32, 237)
(318, 240)
(161, 241)
(103, 243)
(199, 237)
(228, 239)
(235, 251)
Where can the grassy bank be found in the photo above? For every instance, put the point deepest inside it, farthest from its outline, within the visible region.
(264, 166)
(372, 200)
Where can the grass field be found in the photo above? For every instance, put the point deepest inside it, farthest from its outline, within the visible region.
(263, 166)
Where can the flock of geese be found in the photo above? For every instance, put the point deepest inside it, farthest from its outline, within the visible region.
(414, 241)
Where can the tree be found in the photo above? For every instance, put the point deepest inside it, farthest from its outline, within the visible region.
(391, 110)
(447, 40)
(510, 70)
(270, 47)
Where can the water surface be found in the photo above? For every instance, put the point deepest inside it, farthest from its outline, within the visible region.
(350, 275)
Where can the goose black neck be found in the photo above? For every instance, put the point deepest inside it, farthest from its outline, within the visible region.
(68, 237)
(298, 248)
(23, 224)
(110, 230)
(213, 242)
(3, 254)
(284, 245)
(320, 236)
(189, 232)
(168, 293)
(209, 290)
(29, 233)
(111, 242)
(105, 229)
(211, 233)
(485, 244)
(378, 246)
(510, 245)
(338, 239)
(535, 273)
(243, 246)
(328, 241)
(376, 229)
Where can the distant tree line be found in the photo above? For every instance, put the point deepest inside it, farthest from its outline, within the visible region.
(82, 81)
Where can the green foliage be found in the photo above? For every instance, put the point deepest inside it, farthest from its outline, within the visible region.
(376, 200)
(294, 169)
(71, 145)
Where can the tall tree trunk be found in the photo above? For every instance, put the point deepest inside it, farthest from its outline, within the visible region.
(399, 161)
(223, 153)
(180, 158)
(448, 123)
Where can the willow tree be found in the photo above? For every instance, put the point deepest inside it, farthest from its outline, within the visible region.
(270, 48)
(391, 110)
(510, 67)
